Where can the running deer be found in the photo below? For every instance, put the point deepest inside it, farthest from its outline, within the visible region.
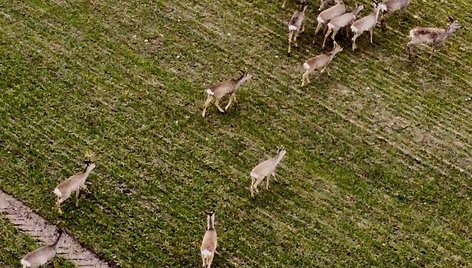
(434, 36)
(325, 3)
(41, 256)
(319, 62)
(391, 7)
(208, 248)
(219, 90)
(325, 16)
(73, 184)
(265, 169)
(339, 22)
(296, 23)
(366, 24)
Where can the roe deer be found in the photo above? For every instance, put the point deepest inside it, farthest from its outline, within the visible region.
(391, 7)
(219, 90)
(73, 184)
(434, 36)
(265, 169)
(41, 256)
(325, 16)
(366, 24)
(319, 62)
(296, 23)
(209, 243)
(339, 22)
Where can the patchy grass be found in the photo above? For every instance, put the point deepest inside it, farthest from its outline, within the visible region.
(378, 166)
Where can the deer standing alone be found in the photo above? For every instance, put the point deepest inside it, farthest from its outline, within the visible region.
(391, 7)
(219, 90)
(339, 22)
(366, 23)
(41, 256)
(209, 243)
(265, 169)
(327, 15)
(296, 23)
(434, 36)
(319, 62)
(73, 184)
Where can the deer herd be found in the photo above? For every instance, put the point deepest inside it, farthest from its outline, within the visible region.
(332, 20)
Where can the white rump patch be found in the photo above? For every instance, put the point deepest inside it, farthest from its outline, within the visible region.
(354, 29)
(306, 66)
(207, 253)
(57, 192)
(209, 92)
(292, 27)
(25, 263)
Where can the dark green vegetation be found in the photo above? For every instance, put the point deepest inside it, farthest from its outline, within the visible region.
(378, 168)
(14, 245)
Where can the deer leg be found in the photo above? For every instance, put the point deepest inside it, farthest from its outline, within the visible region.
(273, 175)
(207, 103)
(333, 35)
(290, 35)
(267, 182)
(230, 101)
(326, 36)
(210, 261)
(318, 28)
(433, 49)
(409, 48)
(283, 4)
(354, 41)
(257, 184)
(217, 104)
(305, 77)
(253, 181)
(295, 38)
(77, 193)
(371, 35)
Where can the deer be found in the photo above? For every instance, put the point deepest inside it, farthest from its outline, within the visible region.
(366, 23)
(265, 169)
(325, 3)
(73, 184)
(391, 7)
(209, 243)
(339, 22)
(319, 62)
(300, 1)
(434, 36)
(42, 255)
(219, 90)
(296, 23)
(326, 15)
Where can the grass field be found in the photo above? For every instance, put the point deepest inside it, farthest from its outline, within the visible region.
(378, 169)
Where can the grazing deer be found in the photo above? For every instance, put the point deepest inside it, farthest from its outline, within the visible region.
(41, 256)
(366, 24)
(325, 16)
(296, 23)
(208, 248)
(73, 184)
(339, 22)
(265, 169)
(325, 3)
(434, 36)
(319, 62)
(219, 90)
(391, 7)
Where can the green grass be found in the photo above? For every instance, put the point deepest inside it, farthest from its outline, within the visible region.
(14, 245)
(378, 166)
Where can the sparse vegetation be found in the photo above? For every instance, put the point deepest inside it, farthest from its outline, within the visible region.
(379, 166)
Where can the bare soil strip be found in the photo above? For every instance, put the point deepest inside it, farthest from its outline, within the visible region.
(32, 224)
